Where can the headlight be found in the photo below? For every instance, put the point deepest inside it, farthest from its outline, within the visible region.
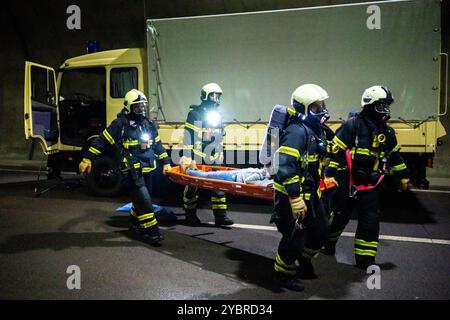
(145, 137)
(213, 118)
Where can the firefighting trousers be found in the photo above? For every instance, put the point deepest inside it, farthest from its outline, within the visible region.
(299, 243)
(366, 204)
(190, 200)
(142, 215)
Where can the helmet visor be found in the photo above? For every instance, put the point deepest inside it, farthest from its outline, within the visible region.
(383, 107)
(214, 97)
(318, 108)
(320, 111)
(139, 108)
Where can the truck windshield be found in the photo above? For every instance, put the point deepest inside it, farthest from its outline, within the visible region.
(82, 104)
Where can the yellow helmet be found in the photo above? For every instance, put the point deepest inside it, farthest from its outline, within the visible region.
(210, 88)
(136, 102)
(306, 94)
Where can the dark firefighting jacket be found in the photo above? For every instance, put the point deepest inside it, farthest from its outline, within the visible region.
(299, 160)
(140, 143)
(202, 141)
(373, 150)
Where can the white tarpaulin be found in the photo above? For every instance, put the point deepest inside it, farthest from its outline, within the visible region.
(260, 58)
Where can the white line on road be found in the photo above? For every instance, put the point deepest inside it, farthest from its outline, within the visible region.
(430, 191)
(250, 226)
(196, 263)
(349, 234)
(406, 239)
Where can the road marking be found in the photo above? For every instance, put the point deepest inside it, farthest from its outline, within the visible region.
(231, 275)
(431, 191)
(43, 171)
(405, 239)
(196, 263)
(249, 226)
(349, 234)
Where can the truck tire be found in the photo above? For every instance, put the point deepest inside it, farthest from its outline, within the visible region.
(105, 179)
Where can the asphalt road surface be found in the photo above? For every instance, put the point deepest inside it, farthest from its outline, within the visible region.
(40, 237)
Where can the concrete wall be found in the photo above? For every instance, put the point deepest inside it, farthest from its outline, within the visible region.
(37, 31)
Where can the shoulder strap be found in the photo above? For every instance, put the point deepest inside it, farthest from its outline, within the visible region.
(356, 125)
(124, 123)
(306, 136)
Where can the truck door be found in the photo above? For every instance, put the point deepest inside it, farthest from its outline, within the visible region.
(41, 106)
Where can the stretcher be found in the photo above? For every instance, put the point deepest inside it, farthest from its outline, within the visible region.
(231, 187)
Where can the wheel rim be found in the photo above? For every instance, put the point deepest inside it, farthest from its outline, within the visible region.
(106, 177)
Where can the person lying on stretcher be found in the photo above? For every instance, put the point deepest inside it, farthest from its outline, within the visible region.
(247, 175)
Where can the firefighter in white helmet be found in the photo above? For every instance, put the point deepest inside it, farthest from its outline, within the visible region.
(141, 148)
(368, 145)
(203, 142)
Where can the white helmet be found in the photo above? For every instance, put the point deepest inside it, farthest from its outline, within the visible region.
(376, 94)
(135, 101)
(307, 94)
(209, 88)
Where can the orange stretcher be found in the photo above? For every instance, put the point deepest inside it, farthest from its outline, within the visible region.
(236, 188)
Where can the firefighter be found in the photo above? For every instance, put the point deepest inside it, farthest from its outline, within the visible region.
(141, 147)
(298, 212)
(203, 142)
(369, 145)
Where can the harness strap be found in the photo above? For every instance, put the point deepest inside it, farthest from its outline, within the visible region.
(354, 189)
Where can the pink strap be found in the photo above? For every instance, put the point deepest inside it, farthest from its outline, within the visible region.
(349, 168)
(349, 161)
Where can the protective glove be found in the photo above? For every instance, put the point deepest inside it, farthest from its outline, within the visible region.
(85, 166)
(299, 208)
(166, 168)
(404, 184)
(330, 182)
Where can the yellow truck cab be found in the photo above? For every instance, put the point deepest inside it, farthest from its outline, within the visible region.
(66, 108)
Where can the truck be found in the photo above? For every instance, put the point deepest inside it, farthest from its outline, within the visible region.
(258, 58)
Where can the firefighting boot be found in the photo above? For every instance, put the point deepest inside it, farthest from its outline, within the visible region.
(363, 262)
(191, 218)
(305, 269)
(329, 249)
(221, 219)
(289, 282)
(150, 235)
(134, 222)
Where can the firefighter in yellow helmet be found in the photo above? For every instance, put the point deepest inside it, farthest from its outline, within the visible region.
(298, 212)
(203, 142)
(141, 149)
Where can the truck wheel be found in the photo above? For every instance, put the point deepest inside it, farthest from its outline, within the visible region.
(105, 179)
